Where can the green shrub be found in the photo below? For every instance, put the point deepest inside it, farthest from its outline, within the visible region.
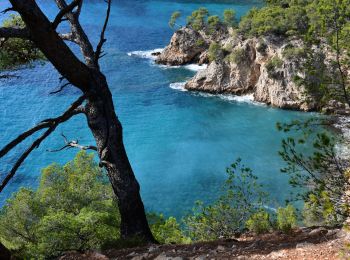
(167, 231)
(286, 218)
(237, 56)
(262, 47)
(320, 210)
(15, 52)
(274, 19)
(213, 22)
(214, 51)
(230, 18)
(321, 170)
(174, 16)
(273, 65)
(198, 19)
(293, 53)
(200, 42)
(73, 209)
(227, 217)
(259, 222)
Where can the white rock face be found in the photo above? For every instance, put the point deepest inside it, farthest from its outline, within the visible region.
(186, 46)
(251, 75)
(224, 76)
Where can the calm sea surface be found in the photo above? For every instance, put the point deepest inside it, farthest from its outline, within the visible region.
(179, 143)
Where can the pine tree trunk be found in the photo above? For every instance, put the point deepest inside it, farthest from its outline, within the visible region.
(108, 133)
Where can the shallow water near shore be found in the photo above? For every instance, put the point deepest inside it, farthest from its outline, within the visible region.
(179, 143)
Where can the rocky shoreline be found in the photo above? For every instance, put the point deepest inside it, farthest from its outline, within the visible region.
(262, 67)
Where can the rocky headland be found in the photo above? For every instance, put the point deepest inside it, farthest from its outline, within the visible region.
(265, 67)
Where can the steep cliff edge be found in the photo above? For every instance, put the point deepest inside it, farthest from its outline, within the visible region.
(242, 66)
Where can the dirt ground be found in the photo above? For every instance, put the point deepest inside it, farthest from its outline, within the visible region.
(303, 244)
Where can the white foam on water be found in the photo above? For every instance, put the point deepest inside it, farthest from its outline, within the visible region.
(245, 98)
(148, 55)
(145, 54)
(249, 98)
(192, 67)
(196, 67)
(178, 86)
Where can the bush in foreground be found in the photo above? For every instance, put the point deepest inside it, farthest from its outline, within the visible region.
(242, 198)
(73, 209)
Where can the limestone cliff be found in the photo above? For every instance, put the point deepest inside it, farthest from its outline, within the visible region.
(243, 66)
(185, 46)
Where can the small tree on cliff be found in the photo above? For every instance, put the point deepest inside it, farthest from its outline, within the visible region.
(95, 102)
(173, 19)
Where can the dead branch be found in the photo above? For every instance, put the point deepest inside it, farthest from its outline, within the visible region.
(102, 35)
(68, 37)
(61, 88)
(78, 11)
(73, 144)
(47, 123)
(8, 76)
(21, 159)
(7, 10)
(63, 12)
(51, 124)
(78, 33)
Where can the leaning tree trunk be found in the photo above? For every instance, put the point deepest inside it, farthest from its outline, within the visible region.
(108, 133)
(99, 109)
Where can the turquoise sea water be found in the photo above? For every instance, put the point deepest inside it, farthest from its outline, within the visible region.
(179, 143)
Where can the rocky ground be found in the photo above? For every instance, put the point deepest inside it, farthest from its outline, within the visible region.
(303, 244)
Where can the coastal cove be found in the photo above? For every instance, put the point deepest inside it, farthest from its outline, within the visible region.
(179, 142)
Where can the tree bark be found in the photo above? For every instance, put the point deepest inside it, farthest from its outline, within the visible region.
(108, 133)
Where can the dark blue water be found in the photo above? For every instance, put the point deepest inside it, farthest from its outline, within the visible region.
(179, 143)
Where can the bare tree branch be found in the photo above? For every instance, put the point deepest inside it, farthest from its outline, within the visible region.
(8, 76)
(47, 123)
(61, 88)
(102, 36)
(73, 144)
(77, 13)
(9, 32)
(7, 10)
(21, 159)
(79, 35)
(64, 11)
(51, 124)
(68, 37)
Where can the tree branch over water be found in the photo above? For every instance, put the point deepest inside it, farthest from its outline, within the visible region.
(49, 124)
(73, 144)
